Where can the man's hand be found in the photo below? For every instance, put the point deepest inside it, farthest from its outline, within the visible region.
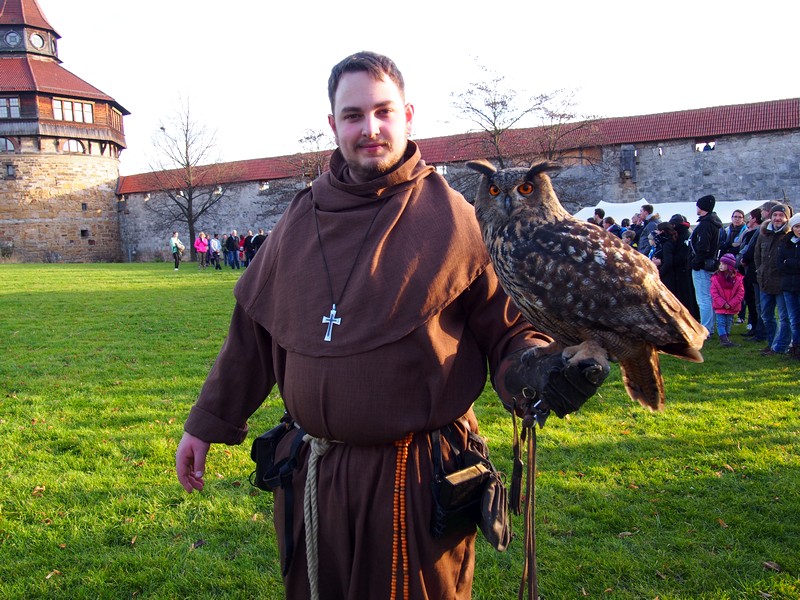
(543, 382)
(190, 462)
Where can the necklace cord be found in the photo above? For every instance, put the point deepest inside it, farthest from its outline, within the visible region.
(335, 302)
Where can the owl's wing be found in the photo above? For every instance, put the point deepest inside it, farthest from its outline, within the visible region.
(575, 275)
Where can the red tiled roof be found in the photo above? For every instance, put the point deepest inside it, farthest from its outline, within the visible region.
(760, 117)
(37, 74)
(23, 12)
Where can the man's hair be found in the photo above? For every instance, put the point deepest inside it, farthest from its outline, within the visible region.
(648, 208)
(376, 65)
(756, 214)
(600, 211)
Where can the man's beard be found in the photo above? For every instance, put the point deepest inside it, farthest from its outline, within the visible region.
(373, 170)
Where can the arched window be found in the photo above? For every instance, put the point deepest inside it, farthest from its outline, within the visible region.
(6, 145)
(73, 146)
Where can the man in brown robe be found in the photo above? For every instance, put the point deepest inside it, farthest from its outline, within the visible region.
(374, 308)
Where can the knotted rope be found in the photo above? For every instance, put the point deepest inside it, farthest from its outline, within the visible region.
(319, 447)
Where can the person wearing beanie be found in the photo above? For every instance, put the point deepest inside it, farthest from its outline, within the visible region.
(704, 246)
(707, 203)
(727, 294)
(771, 237)
(755, 327)
(789, 267)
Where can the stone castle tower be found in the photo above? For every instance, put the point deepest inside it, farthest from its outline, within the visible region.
(60, 141)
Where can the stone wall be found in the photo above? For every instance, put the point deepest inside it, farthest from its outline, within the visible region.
(59, 208)
(62, 207)
(145, 233)
(752, 167)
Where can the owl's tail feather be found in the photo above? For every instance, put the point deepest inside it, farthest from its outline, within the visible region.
(641, 375)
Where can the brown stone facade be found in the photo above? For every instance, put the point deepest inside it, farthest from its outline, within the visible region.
(59, 207)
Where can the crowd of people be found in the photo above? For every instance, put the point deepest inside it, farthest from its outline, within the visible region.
(745, 272)
(232, 250)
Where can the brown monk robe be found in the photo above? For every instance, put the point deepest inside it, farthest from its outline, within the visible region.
(394, 274)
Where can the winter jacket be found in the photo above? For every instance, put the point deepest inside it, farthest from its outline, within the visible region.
(789, 264)
(722, 294)
(766, 257)
(733, 235)
(649, 227)
(201, 245)
(704, 242)
(746, 257)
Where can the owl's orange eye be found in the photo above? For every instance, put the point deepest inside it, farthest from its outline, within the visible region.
(494, 190)
(525, 188)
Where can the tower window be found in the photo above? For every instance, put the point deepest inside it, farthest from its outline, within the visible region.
(73, 146)
(6, 145)
(79, 112)
(9, 171)
(84, 233)
(706, 146)
(9, 108)
(84, 206)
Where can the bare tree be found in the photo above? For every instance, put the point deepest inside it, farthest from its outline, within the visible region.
(189, 178)
(308, 165)
(317, 147)
(495, 109)
(559, 133)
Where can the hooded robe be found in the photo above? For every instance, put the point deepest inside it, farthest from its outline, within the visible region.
(421, 315)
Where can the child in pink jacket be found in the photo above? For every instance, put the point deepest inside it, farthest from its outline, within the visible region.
(727, 294)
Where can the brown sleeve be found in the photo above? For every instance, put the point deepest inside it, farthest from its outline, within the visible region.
(241, 378)
(500, 328)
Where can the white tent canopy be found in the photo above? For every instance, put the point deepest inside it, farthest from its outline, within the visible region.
(665, 210)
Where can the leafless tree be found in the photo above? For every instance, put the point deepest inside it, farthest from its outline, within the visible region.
(555, 131)
(317, 147)
(308, 165)
(495, 109)
(189, 178)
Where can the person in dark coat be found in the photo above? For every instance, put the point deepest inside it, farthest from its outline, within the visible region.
(673, 264)
(704, 245)
(611, 226)
(746, 266)
(771, 237)
(789, 268)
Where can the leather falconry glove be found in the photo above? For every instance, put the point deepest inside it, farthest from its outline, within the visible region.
(544, 383)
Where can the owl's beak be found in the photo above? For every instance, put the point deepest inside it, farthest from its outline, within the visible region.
(507, 204)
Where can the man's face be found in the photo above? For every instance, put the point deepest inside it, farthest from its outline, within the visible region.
(371, 124)
(778, 219)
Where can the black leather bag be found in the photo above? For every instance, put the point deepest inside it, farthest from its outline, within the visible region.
(268, 474)
(473, 494)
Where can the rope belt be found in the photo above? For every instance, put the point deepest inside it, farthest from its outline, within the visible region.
(319, 447)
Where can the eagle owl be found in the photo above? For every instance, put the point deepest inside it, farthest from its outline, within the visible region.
(594, 295)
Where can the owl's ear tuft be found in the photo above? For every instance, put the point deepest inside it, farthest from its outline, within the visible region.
(482, 166)
(543, 167)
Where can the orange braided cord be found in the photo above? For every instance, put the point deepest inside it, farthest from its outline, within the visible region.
(399, 530)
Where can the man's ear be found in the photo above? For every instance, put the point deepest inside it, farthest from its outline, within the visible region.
(409, 118)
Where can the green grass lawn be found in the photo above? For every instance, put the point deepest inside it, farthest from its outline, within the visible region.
(100, 364)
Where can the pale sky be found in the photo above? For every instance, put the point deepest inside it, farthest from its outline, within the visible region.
(256, 71)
